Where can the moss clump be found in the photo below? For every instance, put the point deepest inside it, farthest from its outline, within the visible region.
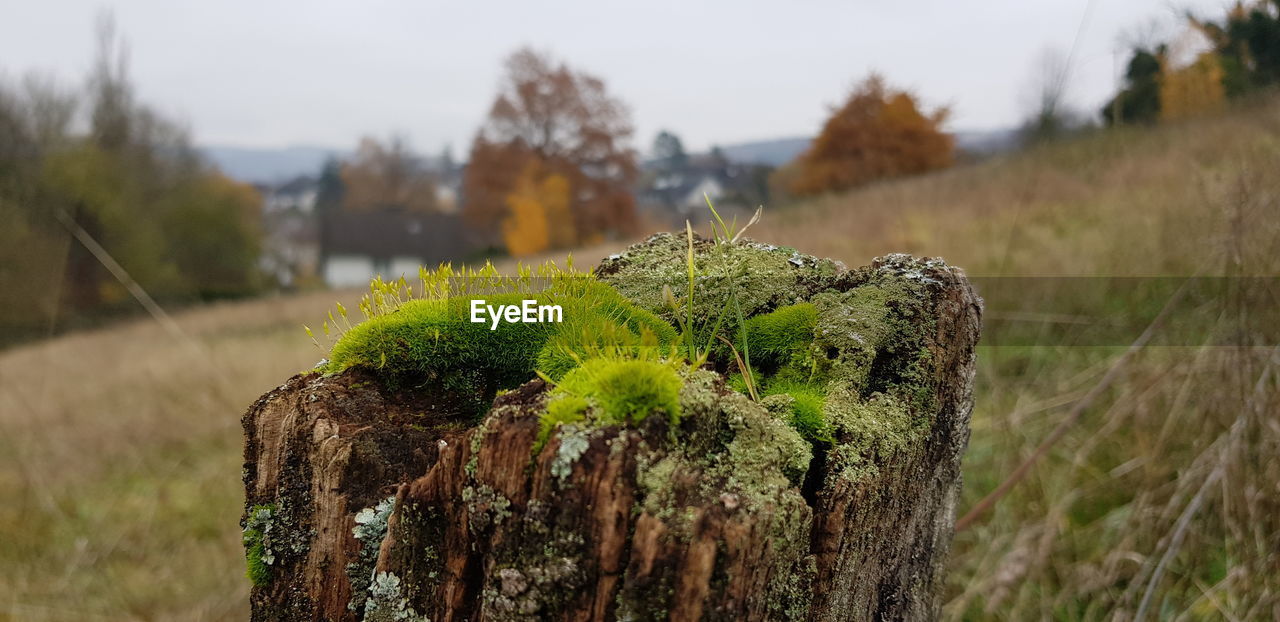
(805, 411)
(259, 552)
(614, 390)
(759, 277)
(562, 409)
(608, 330)
(433, 342)
(782, 336)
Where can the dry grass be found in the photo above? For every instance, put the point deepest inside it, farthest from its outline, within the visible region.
(120, 448)
(1162, 499)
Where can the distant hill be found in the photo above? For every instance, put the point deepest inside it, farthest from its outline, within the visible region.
(269, 165)
(774, 152)
(273, 165)
(779, 151)
(986, 142)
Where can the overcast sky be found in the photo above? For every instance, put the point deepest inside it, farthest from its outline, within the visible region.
(271, 73)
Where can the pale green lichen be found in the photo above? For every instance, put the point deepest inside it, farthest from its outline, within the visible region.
(523, 593)
(738, 446)
(871, 430)
(573, 443)
(486, 507)
(736, 454)
(370, 528)
(765, 456)
(387, 603)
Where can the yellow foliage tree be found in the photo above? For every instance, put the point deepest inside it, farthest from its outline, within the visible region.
(1192, 90)
(538, 216)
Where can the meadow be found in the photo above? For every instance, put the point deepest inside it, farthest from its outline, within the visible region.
(1155, 489)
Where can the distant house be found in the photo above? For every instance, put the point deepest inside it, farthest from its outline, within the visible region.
(298, 194)
(679, 192)
(291, 242)
(683, 191)
(389, 242)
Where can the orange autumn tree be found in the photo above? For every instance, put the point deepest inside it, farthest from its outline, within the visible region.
(538, 217)
(879, 132)
(561, 123)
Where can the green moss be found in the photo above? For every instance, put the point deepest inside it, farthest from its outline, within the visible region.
(258, 572)
(627, 391)
(614, 390)
(760, 276)
(259, 550)
(433, 342)
(805, 409)
(611, 330)
(775, 337)
(562, 409)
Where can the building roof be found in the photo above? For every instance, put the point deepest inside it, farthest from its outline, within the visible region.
(297, 185)
(393, 232)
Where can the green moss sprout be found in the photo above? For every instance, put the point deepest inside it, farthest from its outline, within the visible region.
(424, 336)
(259, 553)
(614, 390)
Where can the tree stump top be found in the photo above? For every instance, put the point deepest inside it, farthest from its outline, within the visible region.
(816, 482)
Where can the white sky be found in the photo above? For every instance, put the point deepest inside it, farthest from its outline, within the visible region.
(319, 72)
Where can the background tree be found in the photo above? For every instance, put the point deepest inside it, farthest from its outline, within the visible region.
(132, 182)
(329, 189)
(668, 152)
(1248, 45)
(1191, 90)
(716, 159)
(110, 92)
(1050, 116)
(387, 175)
(1139, 100)
(879, 132)
(1244, 57)
(568, 124)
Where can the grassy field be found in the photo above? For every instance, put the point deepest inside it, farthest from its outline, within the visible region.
(120, 449)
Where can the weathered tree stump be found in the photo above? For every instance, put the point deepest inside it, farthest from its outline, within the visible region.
(366, 503)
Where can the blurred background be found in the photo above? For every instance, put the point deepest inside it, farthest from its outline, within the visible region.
(183, 187)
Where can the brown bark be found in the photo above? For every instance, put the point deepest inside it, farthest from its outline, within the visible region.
(615, 522)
